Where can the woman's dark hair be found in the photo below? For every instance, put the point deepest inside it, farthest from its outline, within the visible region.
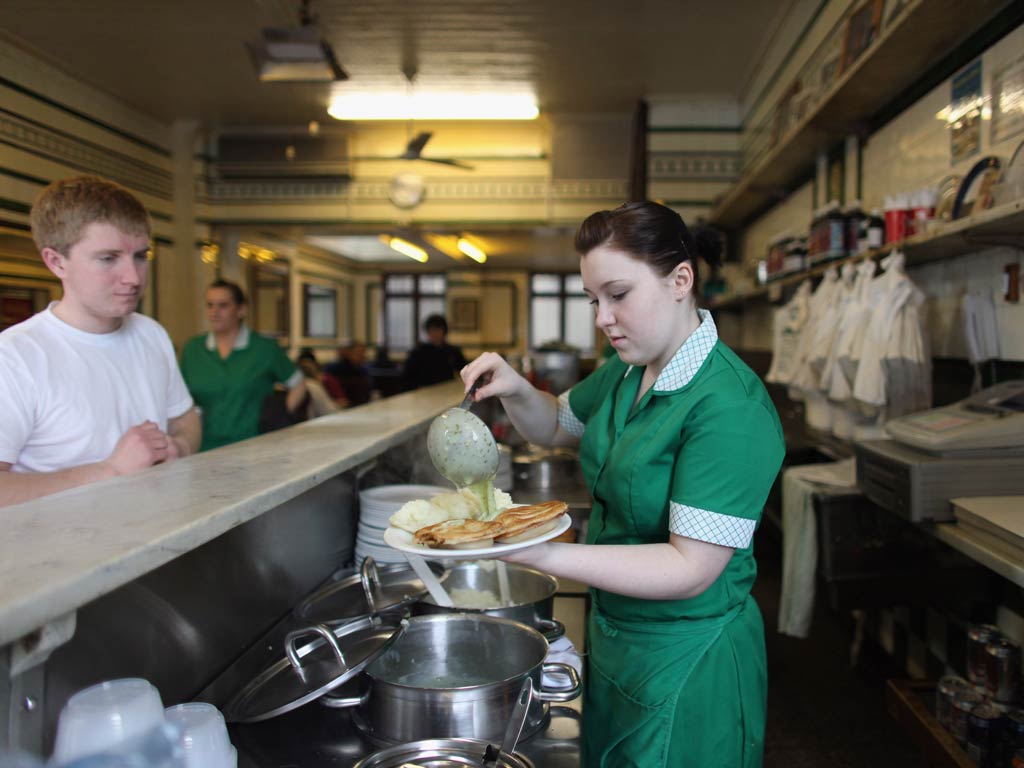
(653, 233)
(236, 292)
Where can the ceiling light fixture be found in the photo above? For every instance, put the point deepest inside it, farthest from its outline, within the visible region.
(405, 248)
(472, 250)
(427, 105)
(296, 54)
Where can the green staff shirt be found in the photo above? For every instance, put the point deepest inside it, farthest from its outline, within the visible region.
(230, 390)
(696, 456)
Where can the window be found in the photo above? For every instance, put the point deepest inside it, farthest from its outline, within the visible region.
(320, 311)
(408, 301)
(560, 312)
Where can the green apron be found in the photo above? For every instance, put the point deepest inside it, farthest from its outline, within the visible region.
(684, 693)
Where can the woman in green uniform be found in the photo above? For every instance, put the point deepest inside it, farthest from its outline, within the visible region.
(679, 445)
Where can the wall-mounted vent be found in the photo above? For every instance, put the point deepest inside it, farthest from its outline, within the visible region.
(282, 158)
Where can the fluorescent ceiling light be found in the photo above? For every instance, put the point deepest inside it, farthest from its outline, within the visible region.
(405, 247)
(474, 252)
(427, 105)
(366, 248)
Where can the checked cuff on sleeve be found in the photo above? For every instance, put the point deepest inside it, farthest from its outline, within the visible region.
(712, 527)
(567, 419)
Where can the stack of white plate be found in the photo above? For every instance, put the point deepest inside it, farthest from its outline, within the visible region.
(378, 504)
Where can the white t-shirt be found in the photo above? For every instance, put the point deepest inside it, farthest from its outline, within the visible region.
(67, 396)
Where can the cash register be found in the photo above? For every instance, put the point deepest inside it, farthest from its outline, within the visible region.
(971, 448)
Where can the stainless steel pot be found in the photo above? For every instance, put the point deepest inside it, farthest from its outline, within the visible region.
(455, 675)
(532, 595)
(544, 469)
(438, 752)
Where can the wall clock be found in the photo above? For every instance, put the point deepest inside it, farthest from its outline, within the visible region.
(407, 190)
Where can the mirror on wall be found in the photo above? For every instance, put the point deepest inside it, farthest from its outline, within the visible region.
(268, 299)
(319, 311)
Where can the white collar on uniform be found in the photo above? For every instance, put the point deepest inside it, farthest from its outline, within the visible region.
(241, 340)
(691, 356)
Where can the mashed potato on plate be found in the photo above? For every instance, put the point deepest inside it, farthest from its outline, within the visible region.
(457, 505)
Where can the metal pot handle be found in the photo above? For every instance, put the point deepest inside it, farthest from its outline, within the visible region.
(316, 629)
(552, 629)
(340, 702)
(568, 694)
(369, 577)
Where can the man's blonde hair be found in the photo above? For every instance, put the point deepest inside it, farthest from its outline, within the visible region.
(66, 207)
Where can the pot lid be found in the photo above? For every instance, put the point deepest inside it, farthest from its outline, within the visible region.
(372, 590)
(440, 753)
(317, 659)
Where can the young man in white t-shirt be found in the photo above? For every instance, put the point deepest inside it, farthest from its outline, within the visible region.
(90, 389)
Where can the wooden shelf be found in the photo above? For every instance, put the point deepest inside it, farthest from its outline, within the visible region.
(923, 34)
(996, 226)
(905, 700)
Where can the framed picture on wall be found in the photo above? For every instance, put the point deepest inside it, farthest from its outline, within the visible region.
(465, 315)
(862, 27)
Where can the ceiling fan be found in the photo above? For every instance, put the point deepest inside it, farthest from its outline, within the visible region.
(414, 150)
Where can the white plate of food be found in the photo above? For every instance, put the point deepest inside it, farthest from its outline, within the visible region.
(404, 541)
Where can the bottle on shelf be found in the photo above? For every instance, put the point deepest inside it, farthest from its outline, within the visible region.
(874, 231)
(854, 222)
(835, 231)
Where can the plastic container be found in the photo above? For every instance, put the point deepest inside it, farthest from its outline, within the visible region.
(922, 210)
(104, 716)
(204, 735)
(896, 214)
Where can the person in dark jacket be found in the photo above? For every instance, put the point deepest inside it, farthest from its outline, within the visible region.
(434, 360)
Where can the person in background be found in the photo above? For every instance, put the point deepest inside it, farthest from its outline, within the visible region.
(435, 360)
(351, 372)
(680, 444)
(325, 393)
(231, 370)
(90, 389)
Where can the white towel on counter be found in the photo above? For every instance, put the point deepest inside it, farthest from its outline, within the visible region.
(561, 650)
(800, 539)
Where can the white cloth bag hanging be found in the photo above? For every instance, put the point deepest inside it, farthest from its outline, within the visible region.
(789, 322)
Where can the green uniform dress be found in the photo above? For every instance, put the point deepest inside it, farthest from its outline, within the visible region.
(230, 390)
(677, 682)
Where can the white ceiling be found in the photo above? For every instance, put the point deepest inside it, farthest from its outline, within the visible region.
(187, 59)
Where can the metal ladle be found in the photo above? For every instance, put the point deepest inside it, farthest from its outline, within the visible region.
(461, 445)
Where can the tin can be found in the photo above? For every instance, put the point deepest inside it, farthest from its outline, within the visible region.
(1002, 670)
(948, 687)
(1011, 735)
(963, 703)
(983, 735)
(978, 638)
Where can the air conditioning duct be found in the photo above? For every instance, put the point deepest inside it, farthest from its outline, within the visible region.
(282, 158)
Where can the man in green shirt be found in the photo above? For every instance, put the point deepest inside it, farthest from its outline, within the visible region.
(231, 370)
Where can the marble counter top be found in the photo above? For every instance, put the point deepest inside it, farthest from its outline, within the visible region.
(61, 551)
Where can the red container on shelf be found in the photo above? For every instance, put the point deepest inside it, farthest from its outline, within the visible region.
(896, 215)
(922, 210)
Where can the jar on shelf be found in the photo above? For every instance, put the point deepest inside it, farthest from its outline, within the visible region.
(854, 222)
(874, 232)
(896, 212)
(835, 232)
